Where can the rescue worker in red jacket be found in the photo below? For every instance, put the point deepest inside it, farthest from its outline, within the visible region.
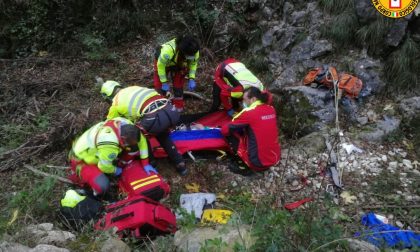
(177, 58)
(231, 79)
(253, 133)
(97, 152)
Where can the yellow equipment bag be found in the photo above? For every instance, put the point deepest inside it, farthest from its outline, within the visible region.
(216, 216)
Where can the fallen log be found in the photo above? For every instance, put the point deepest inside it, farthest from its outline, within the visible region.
(33, 169)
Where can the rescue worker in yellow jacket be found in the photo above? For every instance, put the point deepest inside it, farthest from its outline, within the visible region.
(178, 58)
(154, 113)
(98, 151)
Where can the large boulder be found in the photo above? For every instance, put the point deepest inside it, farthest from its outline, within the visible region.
(13, 247)
(48, 248)
(45, 233)
(368, 70)
(112, 244)
(304, 109)
(220, 238)
(381, 130)
(358, 245)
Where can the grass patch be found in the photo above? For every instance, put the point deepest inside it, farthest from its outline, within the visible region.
(336, 6)
(342, 28)
(402, 68)
(386, 183)
(276, 229)
(372, 35)
(34, 201)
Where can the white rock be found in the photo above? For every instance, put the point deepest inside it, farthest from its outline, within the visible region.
(399, 224)
(59, 238)
(407, 163)
(409, 198)
(48, 248)
(384, 158)
(234, 183)
(13, 247)
(393, 165)
(391, 153)
(399, 192)
(295, 183)
(364, 184)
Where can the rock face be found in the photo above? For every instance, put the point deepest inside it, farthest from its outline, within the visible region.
(368, 70)
(227, 236)
(380, 130)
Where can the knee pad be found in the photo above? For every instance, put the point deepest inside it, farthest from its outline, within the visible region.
(101, 184)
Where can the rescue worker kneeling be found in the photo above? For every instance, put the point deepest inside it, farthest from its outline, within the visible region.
(231, 79)
(253, 134)
(151, 111)
(97, 151)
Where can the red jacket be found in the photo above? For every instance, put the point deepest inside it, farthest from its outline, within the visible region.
(226, 90)
(256, 128)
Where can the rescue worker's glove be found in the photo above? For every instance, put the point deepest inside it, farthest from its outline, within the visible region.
(230, 112)
(191, 84)
(165, 87)
(148, 169)
(118, 171)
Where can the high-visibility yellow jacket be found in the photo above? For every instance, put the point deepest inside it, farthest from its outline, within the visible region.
(129, 101)
(169, 57)
(101, 145)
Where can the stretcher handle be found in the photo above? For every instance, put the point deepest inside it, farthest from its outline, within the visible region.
(122, 217)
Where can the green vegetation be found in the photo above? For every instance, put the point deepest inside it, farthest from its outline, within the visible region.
(402, 67)
(342, 28)
(276, 229)
(26, 203)
(372, 35)
(336, 6)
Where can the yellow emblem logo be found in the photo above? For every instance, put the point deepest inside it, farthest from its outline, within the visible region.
(395, 8)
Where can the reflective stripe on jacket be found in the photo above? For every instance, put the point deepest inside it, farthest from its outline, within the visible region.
(129, 101)
(169, 57)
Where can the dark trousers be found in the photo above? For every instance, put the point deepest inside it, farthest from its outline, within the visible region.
(217, 100)
(168, 145)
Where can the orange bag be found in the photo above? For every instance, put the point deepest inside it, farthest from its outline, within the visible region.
(311, 76)
(322, 75)
(350, 84)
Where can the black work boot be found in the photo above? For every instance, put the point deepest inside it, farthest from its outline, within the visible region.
(181, 168)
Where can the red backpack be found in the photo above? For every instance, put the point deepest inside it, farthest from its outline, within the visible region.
(139, 217)
(135, 181)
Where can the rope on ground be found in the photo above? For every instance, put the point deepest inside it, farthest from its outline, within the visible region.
(337, 128)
